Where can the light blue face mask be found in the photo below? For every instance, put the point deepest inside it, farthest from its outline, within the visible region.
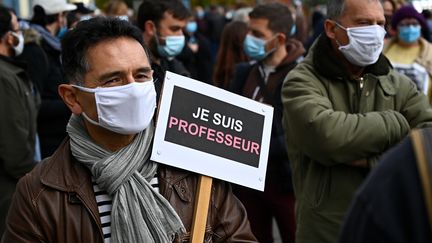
(173, 45)
(200, 14)
(255, 48)
(62, 32)
(191, 27)
(410, 34)
(293, 29)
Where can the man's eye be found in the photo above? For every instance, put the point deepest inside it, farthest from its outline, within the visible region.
(142, 77)
(111, 81)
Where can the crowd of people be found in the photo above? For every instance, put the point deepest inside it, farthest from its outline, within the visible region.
(348, 82)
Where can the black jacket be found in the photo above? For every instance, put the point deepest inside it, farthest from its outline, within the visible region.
(389, 207)
(247, 79)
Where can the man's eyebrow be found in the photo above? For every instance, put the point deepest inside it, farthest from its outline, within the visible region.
(175, 27)
(256, 33)
(143, 69)
(106, 76)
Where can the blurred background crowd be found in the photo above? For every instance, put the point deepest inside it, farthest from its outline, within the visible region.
(215, 34)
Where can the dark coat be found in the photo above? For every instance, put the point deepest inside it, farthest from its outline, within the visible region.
(199, 64)
(247, 78)
(18, 109)
(390, 207)
(53, 114)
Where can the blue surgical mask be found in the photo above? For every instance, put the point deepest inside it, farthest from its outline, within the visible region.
(200, 14)
(255, 48)
(191, 27)
(173, 45)
(293, 29)
(410, 34)
(62, 32)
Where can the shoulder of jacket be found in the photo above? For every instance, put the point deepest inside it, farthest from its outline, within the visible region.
(425, 58)
(305, 70)
(31, 183)
(394, 83)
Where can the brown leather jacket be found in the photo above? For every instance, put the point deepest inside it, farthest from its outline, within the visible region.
(55, 203)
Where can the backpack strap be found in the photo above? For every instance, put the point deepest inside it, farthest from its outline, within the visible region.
(422, 141)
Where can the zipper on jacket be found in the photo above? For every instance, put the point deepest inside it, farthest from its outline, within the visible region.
(361, 83)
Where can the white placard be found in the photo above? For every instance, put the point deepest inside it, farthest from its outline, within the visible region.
(211, 131)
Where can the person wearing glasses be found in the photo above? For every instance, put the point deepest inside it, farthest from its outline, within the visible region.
(100, 184)
(18, 111)
(409, 51)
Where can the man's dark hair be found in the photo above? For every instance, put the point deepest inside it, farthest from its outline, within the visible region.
(154, 10)
(5, 20)
(278, 15)
(88, 34)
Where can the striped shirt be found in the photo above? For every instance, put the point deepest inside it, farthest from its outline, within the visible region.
(104, 204)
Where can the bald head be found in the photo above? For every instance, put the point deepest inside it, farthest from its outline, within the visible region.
(336, 8)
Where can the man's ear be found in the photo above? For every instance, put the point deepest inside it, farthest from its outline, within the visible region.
(329, 28)
(68, 93)
(10, 39)
(149, 28)
(281, 38)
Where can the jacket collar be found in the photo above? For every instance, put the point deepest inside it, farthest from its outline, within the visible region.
(329, 64)
(13, 65)
(63, 172)
(66, 173)
(295, 51)
(170, 177)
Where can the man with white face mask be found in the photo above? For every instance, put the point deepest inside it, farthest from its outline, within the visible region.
(100, 185)
(162, 23)
(344, 106)
(18, 109)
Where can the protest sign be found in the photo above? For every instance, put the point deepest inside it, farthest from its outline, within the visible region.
(213, 132)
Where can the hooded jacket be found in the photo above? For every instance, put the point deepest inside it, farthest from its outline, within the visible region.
(18, 106)
(250, 81)
(333, 119)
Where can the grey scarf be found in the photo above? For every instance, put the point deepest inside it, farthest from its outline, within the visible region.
(139, 213)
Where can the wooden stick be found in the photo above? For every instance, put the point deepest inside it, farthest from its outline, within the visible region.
(202, 201)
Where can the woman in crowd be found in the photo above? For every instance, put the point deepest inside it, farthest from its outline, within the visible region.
(230, 53)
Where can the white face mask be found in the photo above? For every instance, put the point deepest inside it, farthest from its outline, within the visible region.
(20, 46)
(126, 109)
(365, 44)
